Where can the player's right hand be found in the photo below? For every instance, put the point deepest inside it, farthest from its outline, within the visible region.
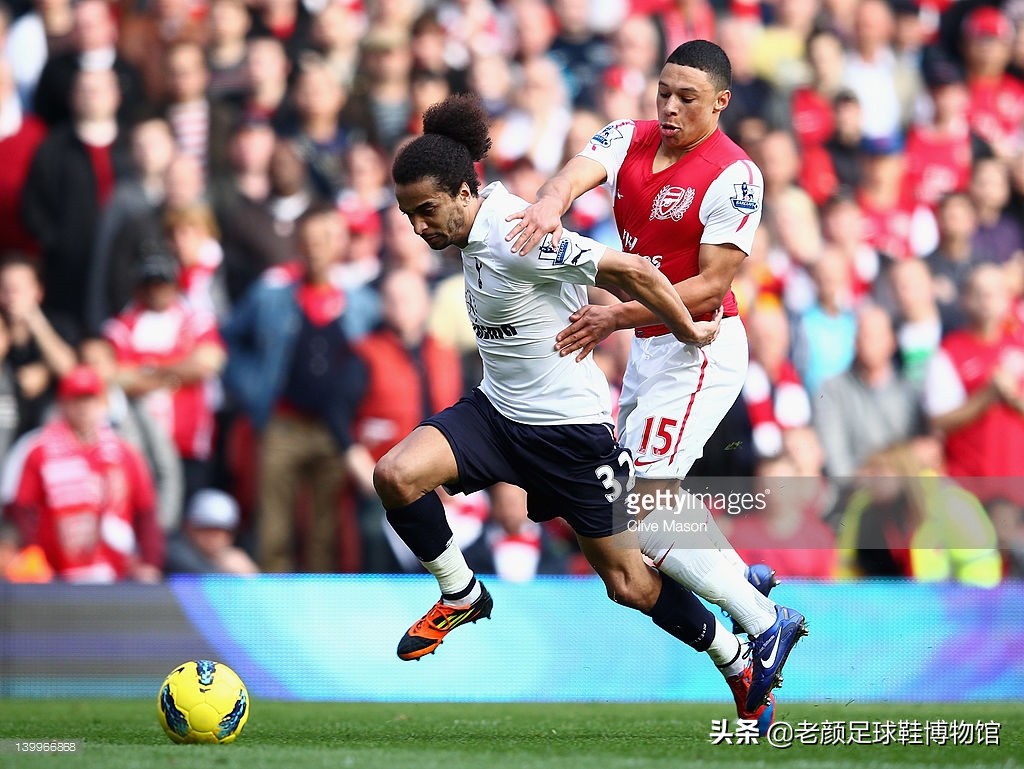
(535, 221)
(588, 327)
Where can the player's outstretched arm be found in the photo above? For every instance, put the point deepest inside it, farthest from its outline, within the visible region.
(701, 294)
(553, 199)
(648, 285)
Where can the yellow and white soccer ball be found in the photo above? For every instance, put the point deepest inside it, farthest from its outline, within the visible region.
(203, 701)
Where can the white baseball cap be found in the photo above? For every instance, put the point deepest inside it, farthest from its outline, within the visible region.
(213, 509)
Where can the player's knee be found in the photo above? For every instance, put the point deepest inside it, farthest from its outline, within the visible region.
(631, 590)
(392, 481)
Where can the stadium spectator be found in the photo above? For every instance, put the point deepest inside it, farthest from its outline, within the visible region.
(536, 126)
(39, 344)
(919, 326)
(258, 233)
(20, 136)
(411, 376)
(287, 21)
(425, 88)
(773, 393)
(129, 218)
(205, 544)
(974, 388)
(200, 125)
(844, 227)
(788, 533)
(534, 27)
(909, 43)
(636, 46)
(95, 40)
(268, 68)
(191, 234)
(871, 72)
(792, 244)
(996, 110)
(810, 105)
(580, 52)
(998, 237)
(319, 134)
(680, 21)
(871, 405)
(184, 186)
(844, 148)
(809, 110)
(293, 372)
(470, 26)
(363, 203)
(823, 340)
(905, 521)
(379, 109)
(337, 29)
(228, 24)
(953, 258)
(169, 355)
(939, 151)
(70, 182)
(490, 77)
(898, 226)
(778, 158)
(9, 415)
(44, 32)
(1008, 520)
(135, 425)
(150, 31)
(85, 496)
(779, 49)
(752, 94)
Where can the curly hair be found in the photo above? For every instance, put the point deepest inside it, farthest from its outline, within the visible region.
(455, 135)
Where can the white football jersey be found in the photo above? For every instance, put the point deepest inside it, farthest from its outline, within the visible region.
(517, 304)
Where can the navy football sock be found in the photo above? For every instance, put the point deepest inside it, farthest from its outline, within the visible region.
(681, 614)
(422, 526)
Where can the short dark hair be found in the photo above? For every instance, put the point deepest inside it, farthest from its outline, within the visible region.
(707, 57)
(455, 136)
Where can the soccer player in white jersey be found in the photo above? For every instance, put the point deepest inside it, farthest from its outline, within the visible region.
(685, 191)
(538, 419)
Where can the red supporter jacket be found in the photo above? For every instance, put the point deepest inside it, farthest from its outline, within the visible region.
(91, 508)
(393, 405)
(992, 445)
(17, 152)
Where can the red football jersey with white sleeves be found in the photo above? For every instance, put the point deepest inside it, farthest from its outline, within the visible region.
(142, 337)
(713, 195)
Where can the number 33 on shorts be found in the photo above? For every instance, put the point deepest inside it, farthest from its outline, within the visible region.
(610, 477)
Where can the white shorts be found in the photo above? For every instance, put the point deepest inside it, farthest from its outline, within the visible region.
(674, 395)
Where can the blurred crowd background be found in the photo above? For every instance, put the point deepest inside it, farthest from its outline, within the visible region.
(214, 319)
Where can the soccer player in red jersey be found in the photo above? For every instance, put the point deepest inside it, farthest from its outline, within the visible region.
(685, 191)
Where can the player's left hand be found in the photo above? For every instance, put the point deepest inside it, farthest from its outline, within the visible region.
(589, 325)
(706, 331)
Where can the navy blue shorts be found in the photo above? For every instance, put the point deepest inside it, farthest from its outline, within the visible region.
(568, 471)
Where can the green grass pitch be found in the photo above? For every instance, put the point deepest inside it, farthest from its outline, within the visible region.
(123, 734)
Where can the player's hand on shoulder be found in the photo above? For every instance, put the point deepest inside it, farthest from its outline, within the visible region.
(705, 331)
(587, 328)
(535, 221)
